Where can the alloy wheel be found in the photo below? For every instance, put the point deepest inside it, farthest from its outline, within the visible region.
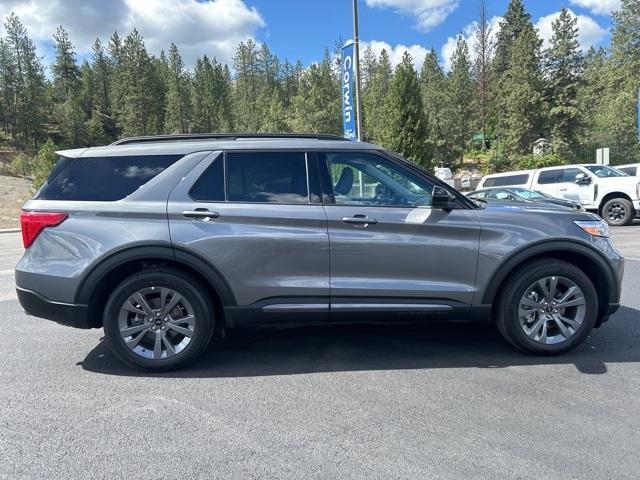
(156, 323)
(552, 310)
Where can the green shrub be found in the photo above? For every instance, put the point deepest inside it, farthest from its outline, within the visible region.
(527, 162)
(43, 163)
(22, 165)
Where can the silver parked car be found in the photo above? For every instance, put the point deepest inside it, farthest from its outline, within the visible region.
(167, 241)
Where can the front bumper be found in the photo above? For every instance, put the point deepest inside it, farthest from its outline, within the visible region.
(69, 314)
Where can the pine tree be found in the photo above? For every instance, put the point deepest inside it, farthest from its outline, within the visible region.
(406, 129)
(212, 97)
(178, 108)
(102, 71)
(66, 88)
(66, 74)
(521, 98)
(27, 108)
(87, 88)
(374, 94)
(290, 82)
(618, 116)
(562, 74)
(433, 87)
(7, 86)
(460, 93)
(483, 47)
(137, 84)
(594, 63)
(245, 63)
(114, 50)
(316, 107)
(515, 21)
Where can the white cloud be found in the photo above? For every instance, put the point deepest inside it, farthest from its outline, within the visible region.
(214, 27)
(417, 52)
(589, 32)
(427, 13)
(468, 33)
(600, 7)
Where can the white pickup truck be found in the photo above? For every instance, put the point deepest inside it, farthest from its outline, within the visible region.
(612, 194)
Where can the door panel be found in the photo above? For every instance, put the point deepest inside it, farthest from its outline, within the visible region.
(569, 189)
(408, 253)
(265, 251)
(402, 253)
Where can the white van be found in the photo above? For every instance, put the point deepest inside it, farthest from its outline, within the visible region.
(613, 194)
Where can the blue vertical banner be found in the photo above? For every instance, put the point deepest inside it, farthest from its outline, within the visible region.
(348, 82)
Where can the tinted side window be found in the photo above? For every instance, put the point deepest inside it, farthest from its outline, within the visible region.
(102, 179)
(490, 182)
(569, 175)
(506, 180)
(549, 176)
(366, 179)
(210, 186)
(267, 177)
(629, 170)
(513, 180)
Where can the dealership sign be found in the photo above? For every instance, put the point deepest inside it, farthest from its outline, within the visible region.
(348, 77)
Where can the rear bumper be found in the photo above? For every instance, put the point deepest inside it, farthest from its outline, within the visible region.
(68, 314)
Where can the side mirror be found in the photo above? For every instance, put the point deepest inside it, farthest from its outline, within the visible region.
(583, 179)
(441, 198)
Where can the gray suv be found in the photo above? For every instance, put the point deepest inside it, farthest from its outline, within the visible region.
(167, 241)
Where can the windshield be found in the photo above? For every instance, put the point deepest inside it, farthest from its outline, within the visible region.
(603, 171)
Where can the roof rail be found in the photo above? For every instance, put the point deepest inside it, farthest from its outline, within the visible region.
(223, 136)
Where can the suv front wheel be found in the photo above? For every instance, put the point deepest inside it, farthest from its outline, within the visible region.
(158, 320)
(547, 307)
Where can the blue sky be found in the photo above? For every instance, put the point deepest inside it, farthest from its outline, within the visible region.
(296, 31)
(293, 29)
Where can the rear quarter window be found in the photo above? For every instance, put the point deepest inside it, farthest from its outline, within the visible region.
(104, 179)
(629, 170)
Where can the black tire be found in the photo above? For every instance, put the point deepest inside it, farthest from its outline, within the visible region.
(514, 287)
(618, 212)
(180, 282)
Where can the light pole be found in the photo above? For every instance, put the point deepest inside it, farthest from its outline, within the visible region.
(356, 61)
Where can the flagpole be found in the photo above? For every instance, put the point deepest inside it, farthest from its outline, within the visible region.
(356, 61)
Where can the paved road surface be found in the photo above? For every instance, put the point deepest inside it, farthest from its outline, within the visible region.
(433, 402)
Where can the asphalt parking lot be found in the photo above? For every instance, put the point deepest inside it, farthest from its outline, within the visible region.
(448, 401)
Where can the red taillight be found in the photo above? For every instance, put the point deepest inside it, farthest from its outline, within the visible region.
(33, 223)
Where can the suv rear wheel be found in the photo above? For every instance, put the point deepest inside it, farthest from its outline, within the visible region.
(158, 320)
(548, 307)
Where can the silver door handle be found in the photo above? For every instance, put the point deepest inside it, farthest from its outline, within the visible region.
(359, 220)
(200, 213)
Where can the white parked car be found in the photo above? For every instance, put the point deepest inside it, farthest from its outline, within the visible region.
(611, 193)
(632, 169)
(444, 174)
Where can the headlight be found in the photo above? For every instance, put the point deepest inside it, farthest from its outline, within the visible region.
(597, 228)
